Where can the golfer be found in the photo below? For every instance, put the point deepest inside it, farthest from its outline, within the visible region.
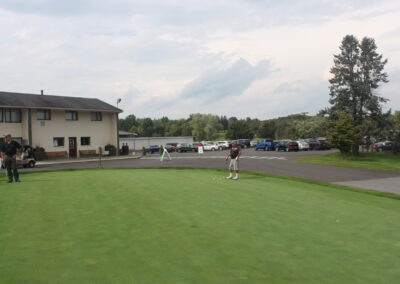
(8, 153)
(234, 153)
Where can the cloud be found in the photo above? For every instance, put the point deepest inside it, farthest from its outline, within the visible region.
(215, 85)
(173, 58)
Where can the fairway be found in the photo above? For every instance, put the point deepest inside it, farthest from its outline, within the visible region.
(193, 226)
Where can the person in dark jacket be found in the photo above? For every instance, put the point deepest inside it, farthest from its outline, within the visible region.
(8, 152)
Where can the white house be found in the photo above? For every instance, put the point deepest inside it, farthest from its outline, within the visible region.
(67, 126)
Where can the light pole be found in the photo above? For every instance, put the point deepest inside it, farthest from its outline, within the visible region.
(118, 101)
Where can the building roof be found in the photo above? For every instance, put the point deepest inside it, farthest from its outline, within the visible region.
(20, 100)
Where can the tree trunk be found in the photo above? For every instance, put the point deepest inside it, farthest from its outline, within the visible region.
(355, 150)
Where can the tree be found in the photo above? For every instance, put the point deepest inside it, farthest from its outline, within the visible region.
(127, 123)
(145, 128)
(357, 73)
(267, 129)
(224, 122)
(342, 133)
(239, 129)
(205, 126)
(395, 133)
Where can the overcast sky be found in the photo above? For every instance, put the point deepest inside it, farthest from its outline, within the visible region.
(172, 58)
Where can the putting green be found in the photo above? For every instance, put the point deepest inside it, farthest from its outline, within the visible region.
(193, 226)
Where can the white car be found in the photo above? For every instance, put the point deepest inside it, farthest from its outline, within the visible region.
(222, 145)
(303, 145)
(210, 146)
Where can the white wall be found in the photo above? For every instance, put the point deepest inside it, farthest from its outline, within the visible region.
(101, 133)
(138, 143)
(15, 129)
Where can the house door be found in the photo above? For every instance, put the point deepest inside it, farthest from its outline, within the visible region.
(72, 147)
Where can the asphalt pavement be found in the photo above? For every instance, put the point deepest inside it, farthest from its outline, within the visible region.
(260, 161)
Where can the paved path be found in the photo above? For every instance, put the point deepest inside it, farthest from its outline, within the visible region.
(268, 162)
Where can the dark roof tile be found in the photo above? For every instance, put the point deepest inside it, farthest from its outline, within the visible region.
(45, 101)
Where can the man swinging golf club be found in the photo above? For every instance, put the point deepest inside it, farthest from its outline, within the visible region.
(234, 153)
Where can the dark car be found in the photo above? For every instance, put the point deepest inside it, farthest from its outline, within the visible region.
(170, 148)
(382, 146)
(185, 147)
(244, 143)
(196, 146)
(287, 146)
(152, 149)
(319, 143)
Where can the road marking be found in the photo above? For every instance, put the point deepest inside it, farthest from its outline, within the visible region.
(217, 157)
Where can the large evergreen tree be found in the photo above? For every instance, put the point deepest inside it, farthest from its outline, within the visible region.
(357, 73)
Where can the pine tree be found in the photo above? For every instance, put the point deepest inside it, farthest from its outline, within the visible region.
(357, 73)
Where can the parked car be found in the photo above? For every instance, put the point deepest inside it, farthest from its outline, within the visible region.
(244, 143)
(152, 149)
(319, 143)
(222, 145)
(303, 145)
(382, 146)
(185, 147)
(170, 148)
(266, 145)
(287, 146)
(196, 146)
(210, 146)
(253, 143)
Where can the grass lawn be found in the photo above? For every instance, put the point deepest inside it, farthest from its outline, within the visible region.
(379, 161)
(193, 226)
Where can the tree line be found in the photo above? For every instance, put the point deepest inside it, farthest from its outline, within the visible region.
(355, 114)
(212, 127)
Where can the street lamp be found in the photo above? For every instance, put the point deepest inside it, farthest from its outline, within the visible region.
(118, 101)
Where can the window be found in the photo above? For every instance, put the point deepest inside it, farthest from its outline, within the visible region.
(12, 115)
(43, 114)
(96, 116)
(58, 141)
(1, 115)
(71, 115)
(85, 141)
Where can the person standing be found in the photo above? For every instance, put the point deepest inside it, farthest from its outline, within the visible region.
(234, 153)
(9, 152)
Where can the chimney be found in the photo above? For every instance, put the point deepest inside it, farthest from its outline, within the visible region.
(41, 92)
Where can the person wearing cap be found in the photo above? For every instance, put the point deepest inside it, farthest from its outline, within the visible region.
(8, 153)
(234, 154)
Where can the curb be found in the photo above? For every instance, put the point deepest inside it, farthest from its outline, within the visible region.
(45, 163)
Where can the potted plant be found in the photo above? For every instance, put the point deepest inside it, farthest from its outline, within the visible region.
(111, 149)
(40, 153)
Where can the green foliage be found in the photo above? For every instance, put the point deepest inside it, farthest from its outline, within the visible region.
(128, 123)
(357, 73)
(395, 133)
(205, 126)
(267, 129)
(342, 133)
(239, 129)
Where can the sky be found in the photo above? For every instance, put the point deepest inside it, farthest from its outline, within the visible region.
(243, 58)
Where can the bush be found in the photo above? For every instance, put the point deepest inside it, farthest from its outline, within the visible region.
(343, 134)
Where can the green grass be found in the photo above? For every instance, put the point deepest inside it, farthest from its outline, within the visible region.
(379, 161)
(193, 226)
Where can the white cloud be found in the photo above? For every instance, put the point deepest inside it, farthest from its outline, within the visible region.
(160, 56)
